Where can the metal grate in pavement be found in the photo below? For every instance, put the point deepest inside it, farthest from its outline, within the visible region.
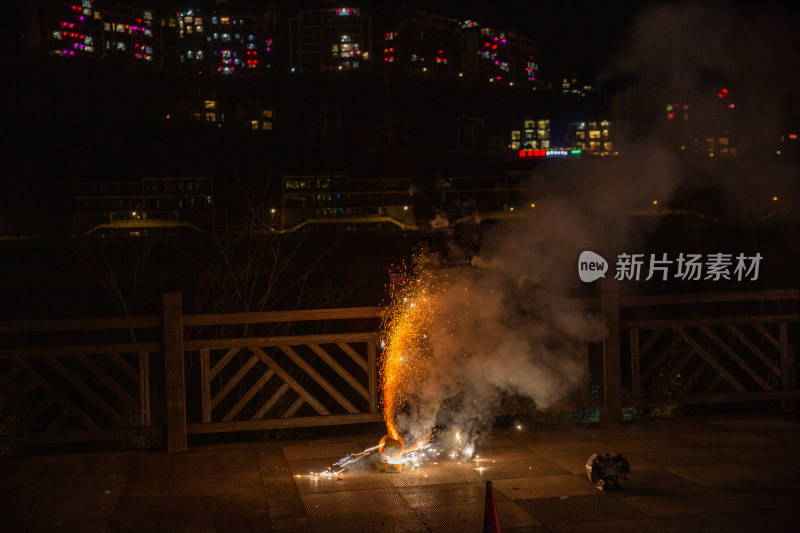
(354, 502)
(453, 518)
(436, 474)
(544, 487)
(439, 495)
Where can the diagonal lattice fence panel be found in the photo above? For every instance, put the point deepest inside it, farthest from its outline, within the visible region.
(711, 359)
(264, 382)
(76, 380)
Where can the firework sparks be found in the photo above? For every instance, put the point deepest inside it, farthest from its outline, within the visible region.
(404, 365)
(341, 465)
(406, 346)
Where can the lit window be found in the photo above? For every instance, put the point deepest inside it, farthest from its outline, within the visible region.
(199, 54)
(211, 117)
(253, 124)
(515, 135)
(57, 35)
(266, 113)
(210, 104)
(266, 125)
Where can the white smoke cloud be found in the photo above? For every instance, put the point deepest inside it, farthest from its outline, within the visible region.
(505, 322)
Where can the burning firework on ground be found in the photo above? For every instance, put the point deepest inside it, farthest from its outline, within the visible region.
(404, 365)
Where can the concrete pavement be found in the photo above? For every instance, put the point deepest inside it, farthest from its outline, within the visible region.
(711, 473)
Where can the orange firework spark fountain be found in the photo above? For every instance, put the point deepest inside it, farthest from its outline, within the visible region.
(406, 346)
(403, 366)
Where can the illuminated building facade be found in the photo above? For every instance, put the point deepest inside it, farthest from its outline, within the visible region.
(535, 134)
(129, 33)
(330, 39)
(206, 107)
(418, 41)
(70, 27)
(501, 57)
(149, 203)
(223, 42)
(322, 197)
(421, 41)
(705, 127)
(231, 41)
(593, 137)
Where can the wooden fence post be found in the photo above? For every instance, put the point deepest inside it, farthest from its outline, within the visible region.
(612, 387)
(172, 309)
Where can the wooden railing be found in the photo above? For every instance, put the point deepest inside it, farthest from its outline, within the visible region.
(78, 380)
(174, 375)
(699, 348)
(291, 380)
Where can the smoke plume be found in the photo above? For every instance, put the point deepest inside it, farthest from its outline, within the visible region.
(503, 321)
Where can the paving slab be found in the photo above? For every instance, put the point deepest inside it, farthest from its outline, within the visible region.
(581, 508)
(714, 473)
